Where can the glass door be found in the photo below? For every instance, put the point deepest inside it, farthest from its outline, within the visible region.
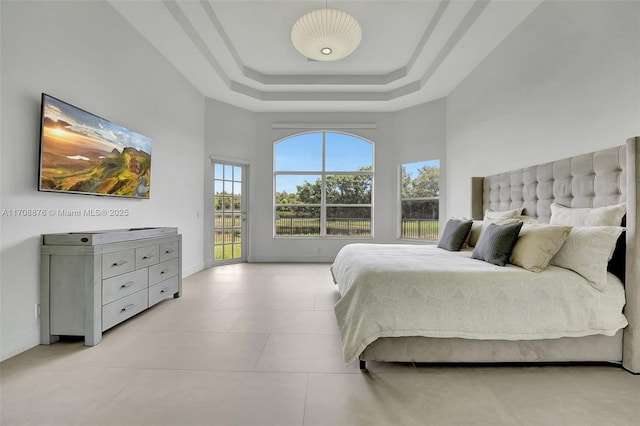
(229, 213)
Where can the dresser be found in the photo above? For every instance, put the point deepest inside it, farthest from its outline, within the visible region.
(92, 281)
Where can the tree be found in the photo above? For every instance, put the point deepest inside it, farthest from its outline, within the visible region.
(340, 189)
(426, 184)
(425, 187)
(349, 189)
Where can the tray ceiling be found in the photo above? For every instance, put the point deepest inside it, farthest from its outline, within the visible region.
(240, 52)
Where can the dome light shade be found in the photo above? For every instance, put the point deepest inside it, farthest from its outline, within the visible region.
(326, 34)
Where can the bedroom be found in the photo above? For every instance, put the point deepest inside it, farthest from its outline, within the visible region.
(569, 90)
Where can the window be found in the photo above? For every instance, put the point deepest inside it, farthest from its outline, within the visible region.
(323, 185)
(420, 200)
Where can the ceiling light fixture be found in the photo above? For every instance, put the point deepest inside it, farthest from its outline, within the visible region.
(326, 34)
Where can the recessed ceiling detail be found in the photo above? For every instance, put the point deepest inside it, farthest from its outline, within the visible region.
(239, 51)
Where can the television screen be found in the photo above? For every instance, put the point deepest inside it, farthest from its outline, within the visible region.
(83, 153)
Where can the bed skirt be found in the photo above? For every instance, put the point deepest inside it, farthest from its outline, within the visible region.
(429, 349)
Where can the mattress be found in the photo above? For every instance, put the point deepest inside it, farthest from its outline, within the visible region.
(397, 290)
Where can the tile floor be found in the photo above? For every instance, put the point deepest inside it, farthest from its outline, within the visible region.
(257, 344)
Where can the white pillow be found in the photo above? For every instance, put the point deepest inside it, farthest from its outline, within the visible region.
(537, 244)
(587, 251)
(474, 234)
(507, 214)
(527, 220)
(597, 216)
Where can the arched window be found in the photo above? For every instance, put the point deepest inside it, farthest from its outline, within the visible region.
(323, 186)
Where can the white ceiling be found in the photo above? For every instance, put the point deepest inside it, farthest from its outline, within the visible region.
(240, 51)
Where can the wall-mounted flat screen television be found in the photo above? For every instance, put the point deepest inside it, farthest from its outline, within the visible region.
(85, 154)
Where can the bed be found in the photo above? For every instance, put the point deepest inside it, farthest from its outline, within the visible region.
(468, 314)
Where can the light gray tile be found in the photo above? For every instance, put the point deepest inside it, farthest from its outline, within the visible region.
(573, 395)
(40, 395)
(402, 399)
(168, 397)
(296, 322)
(304, 353)
(268, 302)
(181, 350)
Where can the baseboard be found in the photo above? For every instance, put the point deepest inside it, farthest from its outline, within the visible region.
(288, 259)
(16, 344)
(190, 270)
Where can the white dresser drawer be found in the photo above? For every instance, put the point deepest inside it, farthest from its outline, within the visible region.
(147, 256)
(162, 271)
(163, 290)
(169, 250)
(118, 262)
(118, 311)
(124, 285)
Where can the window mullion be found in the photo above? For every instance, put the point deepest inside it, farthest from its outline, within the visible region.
(323, 195)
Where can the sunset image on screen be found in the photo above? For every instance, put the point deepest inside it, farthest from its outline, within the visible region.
(84, 153)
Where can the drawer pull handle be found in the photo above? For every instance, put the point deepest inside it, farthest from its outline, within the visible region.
(119, 263)
(128, 308)
(164, 271)
(165, 289)
(149, 256)
(127, 284)
(169, 251)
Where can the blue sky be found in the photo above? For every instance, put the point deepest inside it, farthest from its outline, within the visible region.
(343, 153)
(303, 153)
(412, 168)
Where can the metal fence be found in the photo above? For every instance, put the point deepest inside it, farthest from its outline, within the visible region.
(349, 227)
(423, 229)
(297, 226)
(426, 229)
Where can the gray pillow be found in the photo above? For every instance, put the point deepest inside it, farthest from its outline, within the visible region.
(454, 234)
(496, 243)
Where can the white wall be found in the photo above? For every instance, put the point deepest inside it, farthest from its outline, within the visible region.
(565, 82)
(230, 135)
(85, 53)
(420, 134)
(411, 135)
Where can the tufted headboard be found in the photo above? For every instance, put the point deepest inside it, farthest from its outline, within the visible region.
(590, 180)
(606, 177)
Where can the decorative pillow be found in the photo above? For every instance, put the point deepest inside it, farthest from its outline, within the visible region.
(537, 244)
(474, 234)
(487, 222)
(526, 219)
(587, 251)
(598, 216)
(507, 214)
(454, 234)
(496, 243)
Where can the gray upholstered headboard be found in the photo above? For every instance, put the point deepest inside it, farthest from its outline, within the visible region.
(590, 180)
(601, 178)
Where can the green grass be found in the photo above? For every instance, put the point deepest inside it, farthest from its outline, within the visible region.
(227, 252)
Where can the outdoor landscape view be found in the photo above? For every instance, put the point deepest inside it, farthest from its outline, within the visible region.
(83, 153)
(324, 187)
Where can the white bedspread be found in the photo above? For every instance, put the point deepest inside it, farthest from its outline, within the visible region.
(393, 290)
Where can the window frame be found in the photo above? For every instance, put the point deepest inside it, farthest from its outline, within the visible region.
(402, 199)
(323, 174)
